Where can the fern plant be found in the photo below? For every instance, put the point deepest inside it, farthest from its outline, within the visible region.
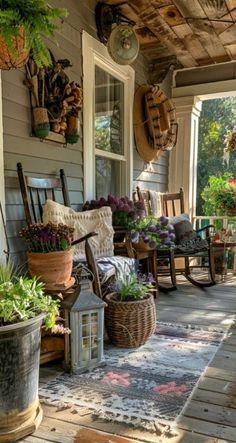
(37, 19)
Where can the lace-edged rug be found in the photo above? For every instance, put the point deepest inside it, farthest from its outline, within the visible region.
(146, 387)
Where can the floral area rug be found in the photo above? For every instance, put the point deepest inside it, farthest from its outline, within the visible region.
(145, 387)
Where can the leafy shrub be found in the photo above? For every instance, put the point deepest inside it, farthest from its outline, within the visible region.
(22, 298)
(219, 194)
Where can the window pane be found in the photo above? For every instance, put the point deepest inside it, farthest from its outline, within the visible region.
(109, 103)
(108, 177)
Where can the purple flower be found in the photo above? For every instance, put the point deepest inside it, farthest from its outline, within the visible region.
(164, 220)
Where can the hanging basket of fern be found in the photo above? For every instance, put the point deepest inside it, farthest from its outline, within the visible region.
(16, 54)
(22, 24)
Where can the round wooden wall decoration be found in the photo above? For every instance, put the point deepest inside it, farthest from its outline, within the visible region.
(155, 126)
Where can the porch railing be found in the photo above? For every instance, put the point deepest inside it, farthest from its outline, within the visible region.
(219, 222)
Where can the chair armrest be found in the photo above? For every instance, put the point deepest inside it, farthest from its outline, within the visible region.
(85, 237)
(207, 230)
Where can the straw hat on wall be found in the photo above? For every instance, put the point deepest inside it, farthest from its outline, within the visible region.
(155, 126)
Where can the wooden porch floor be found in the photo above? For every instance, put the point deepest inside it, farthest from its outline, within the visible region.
(210, 415)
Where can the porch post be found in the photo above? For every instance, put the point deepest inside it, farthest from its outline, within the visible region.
(2, 185)
(183, 158)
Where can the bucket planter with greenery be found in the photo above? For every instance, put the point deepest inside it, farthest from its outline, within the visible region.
(23, 308)
(22, 24)
(50, 255)
(130, 315)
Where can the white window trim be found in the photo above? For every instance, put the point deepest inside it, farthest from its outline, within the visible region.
(95, 53)
(2, 184)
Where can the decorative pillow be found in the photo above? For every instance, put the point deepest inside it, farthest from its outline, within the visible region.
(179, 218)
(184, 231)
(97, 220)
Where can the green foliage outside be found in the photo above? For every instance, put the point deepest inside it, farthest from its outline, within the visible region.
(217, 116)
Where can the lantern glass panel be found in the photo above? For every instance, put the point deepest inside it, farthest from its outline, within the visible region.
(94, 342)
(85, 330)
(85, 318)
(86, 343)
(94, 353)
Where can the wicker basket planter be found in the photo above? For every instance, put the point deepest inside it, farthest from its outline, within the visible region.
(231, 212)
(41, 122)
(18, 58)
(129, 324)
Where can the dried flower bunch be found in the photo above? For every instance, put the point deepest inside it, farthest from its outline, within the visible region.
(123, 209)
(230, 140)
(156, 232)
(47, 238)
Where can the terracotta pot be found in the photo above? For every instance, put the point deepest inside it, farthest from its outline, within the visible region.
(19, 57)
(142, 246)
(52, 268)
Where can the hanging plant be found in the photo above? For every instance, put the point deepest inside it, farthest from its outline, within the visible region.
(22, 23)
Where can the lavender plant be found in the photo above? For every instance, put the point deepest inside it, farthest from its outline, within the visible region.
(47, 238)
(123, 209)
(156, 232)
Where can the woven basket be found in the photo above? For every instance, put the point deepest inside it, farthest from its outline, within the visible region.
(130, 324)
(231, 212)
(9, 60)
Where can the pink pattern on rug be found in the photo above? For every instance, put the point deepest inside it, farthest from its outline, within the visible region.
(170, 388)
(116, 379)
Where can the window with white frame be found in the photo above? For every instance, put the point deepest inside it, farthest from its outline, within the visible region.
(107, 119)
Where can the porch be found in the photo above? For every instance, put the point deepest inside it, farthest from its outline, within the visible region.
(209, 416)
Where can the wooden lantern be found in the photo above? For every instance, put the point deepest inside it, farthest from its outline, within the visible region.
(84, 315)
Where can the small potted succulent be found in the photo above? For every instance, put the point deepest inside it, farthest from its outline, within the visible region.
(220, 195)
(50, 254)
(23, 309)
(22, 23)
(152, 233)
(130, 315)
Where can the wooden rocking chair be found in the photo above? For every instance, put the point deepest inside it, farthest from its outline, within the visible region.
(35, 191)
(172, 205)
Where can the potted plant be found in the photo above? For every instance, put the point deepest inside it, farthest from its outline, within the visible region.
(123, 209)
(49, 253)
(23, 308)
(22, 23)
(220, 195)
(130, 315)
(151, 232)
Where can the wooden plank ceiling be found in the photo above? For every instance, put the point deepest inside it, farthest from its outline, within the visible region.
(182, 33)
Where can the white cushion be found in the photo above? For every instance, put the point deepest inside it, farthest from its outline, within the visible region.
(97, 220)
